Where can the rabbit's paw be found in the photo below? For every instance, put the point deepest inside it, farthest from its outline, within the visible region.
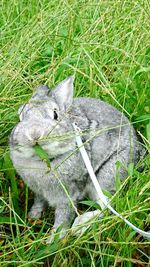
(34, 213)
(51, 238)
(81, 223)
(55, 233)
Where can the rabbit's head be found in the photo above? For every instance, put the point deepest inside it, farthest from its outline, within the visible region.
(44, 119)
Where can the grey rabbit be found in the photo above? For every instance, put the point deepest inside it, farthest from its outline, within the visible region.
(47, 120)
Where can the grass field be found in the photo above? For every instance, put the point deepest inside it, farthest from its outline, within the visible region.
(106, 44)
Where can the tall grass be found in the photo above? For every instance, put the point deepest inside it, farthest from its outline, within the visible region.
(106, 45)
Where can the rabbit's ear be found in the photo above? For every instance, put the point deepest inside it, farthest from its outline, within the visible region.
(20, 111)
(63, 93)
(42, 90)
(40, 93)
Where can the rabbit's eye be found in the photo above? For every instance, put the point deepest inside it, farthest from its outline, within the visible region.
(55, 115)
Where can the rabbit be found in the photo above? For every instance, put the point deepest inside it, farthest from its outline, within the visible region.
(47, 120)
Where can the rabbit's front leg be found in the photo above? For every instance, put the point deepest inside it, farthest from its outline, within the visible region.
(64, 214)
(37, 208)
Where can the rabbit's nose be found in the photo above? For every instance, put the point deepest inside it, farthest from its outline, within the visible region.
(34, 135)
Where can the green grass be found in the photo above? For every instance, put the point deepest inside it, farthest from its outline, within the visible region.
(106, 45)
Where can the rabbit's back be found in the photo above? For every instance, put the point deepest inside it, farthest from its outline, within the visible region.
(109, 131)
(96, 110)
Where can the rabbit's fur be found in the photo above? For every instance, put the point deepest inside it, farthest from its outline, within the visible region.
(47, 119)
